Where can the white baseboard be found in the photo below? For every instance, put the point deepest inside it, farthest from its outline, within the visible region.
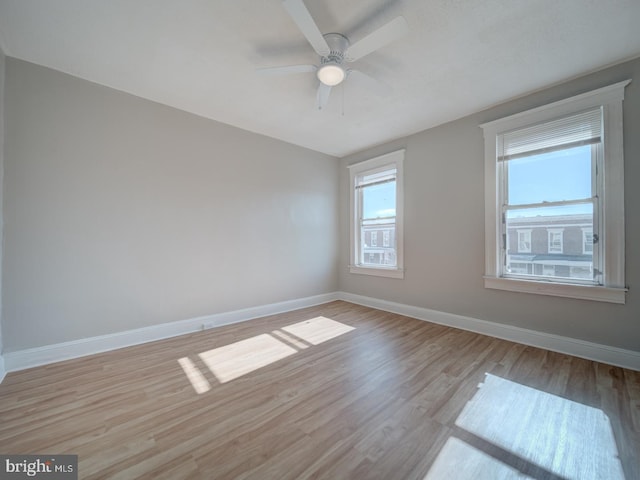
(571, 346)
(33, 357)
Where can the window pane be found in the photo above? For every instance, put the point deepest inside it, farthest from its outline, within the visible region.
(379, 201)
(550, 177)
(373, 253)
(556, 241)
(378, 225)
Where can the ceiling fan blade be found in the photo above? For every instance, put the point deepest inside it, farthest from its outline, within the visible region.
(301, 16)
(286, 70)
(322, 97)
(372, 84)
(384, 35)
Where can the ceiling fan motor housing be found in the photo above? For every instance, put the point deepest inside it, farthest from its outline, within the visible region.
(331, 72)
(338, 44)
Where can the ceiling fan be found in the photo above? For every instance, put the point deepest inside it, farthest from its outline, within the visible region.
(335, 51)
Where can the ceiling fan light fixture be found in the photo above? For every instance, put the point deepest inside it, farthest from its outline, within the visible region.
(331, 74)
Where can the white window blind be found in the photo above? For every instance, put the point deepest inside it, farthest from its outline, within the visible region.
(584, 128)
(385, 175)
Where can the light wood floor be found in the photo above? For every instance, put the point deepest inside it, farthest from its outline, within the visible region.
(358, 393)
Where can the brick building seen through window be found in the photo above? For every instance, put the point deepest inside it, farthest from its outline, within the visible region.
(379, 245)
(551, 246)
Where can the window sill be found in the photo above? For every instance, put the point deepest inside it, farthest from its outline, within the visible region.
(377, 272)
(582, 292)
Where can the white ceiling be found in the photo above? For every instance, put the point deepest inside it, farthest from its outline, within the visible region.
(459, 57)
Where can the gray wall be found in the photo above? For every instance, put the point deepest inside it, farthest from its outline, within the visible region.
(122, 213)
(444, 227)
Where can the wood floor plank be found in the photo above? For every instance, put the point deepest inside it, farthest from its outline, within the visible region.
(367, 395)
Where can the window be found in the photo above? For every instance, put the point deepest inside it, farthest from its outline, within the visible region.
(555, 240)
(524, 241)
(587, 241)
(557, 169)
(518, 267)
(376, 205)
(548, 270)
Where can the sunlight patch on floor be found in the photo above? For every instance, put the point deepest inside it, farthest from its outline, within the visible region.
(290, 339)
(565, 438)
(245, 356)
(318, 330)
(460, 461)
(237, 359)
(200, 384)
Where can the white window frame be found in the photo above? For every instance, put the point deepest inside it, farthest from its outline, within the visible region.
(613, 290)
(386, 236)
(551, 232)
(395, 160)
